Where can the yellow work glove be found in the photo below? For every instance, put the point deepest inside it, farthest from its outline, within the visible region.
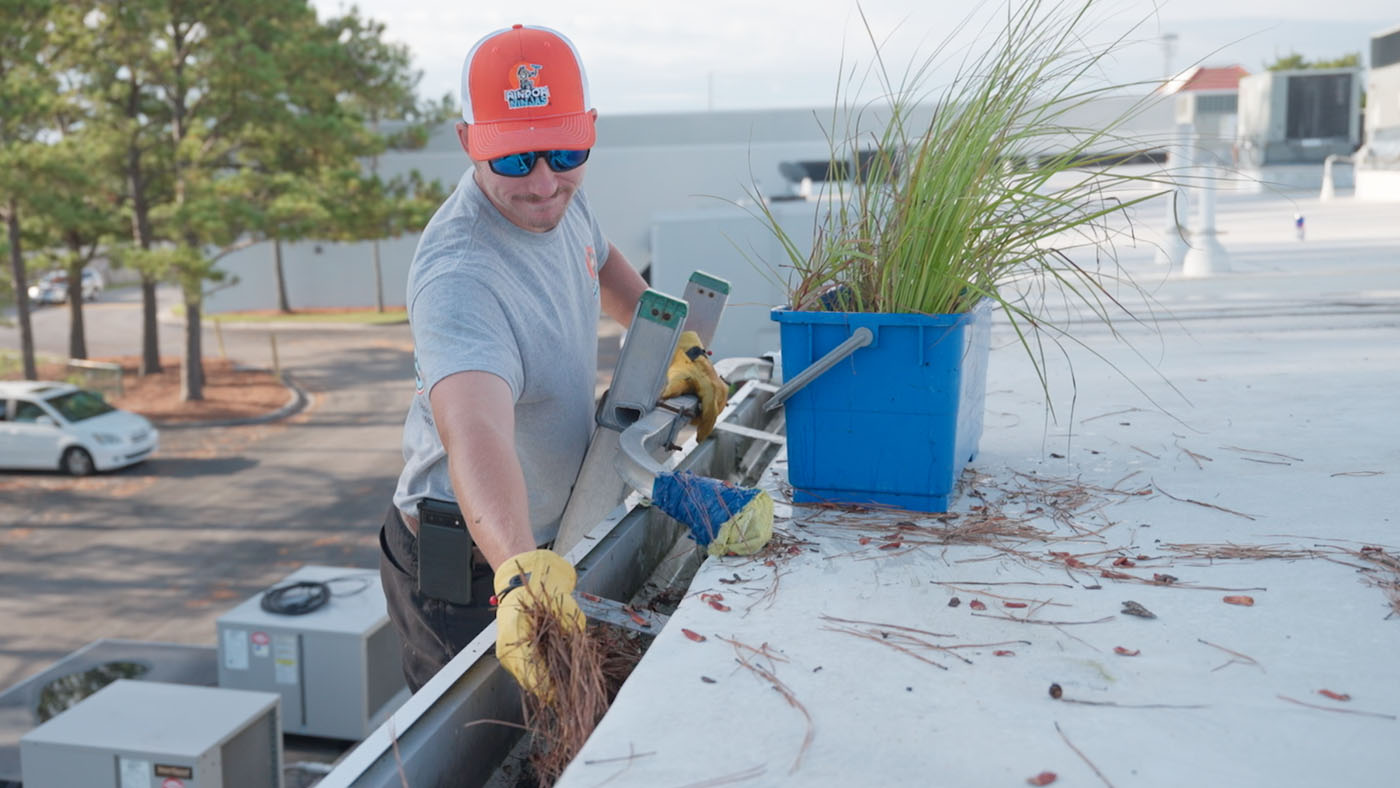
(539, 577)
(723, 518)
(692, 373)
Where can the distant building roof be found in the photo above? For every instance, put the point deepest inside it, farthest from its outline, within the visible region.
(1205, 78)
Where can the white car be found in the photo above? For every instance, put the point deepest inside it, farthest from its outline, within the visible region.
(52, 288)
(92, 284)
(58, 426)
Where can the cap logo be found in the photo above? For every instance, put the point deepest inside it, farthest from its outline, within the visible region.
(527, 94)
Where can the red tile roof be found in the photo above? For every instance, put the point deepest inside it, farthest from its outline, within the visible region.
(1203, 78)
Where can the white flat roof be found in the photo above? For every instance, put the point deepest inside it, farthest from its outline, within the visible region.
(1271, 432)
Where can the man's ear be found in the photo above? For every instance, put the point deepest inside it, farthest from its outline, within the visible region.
(462, 129)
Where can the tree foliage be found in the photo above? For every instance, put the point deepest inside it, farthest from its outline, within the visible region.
(1296, 62)
(74, 216)
(31, 43)
(169, 133)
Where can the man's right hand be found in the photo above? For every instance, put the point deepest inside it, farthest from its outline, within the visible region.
(532, 579)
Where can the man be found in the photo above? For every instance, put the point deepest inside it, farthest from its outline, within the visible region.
(504, 296)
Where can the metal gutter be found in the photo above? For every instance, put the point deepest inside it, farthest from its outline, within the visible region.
(446, 733)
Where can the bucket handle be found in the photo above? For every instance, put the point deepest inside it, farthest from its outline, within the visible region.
(859, 338)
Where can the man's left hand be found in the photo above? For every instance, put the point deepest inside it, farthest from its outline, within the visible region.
(539, 578)
(692, 373)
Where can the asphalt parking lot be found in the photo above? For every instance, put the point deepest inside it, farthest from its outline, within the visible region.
(159, 550)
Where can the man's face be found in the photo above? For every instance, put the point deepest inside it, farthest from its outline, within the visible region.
(534, 202)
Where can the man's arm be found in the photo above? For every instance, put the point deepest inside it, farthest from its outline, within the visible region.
(621, 286)
(475, 415)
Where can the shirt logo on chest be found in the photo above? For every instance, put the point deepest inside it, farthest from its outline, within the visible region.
(590, 261)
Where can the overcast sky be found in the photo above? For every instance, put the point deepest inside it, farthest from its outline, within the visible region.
(649, 56)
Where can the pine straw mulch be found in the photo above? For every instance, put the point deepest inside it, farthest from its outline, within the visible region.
(231, 392)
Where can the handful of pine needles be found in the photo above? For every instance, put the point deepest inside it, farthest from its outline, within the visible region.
(585, 670)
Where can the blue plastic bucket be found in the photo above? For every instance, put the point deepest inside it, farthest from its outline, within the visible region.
(894, 423)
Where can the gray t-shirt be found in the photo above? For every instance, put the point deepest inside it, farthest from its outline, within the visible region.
(486, 295)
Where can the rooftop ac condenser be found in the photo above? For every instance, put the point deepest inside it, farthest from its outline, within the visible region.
(148, 734)
(331, 653)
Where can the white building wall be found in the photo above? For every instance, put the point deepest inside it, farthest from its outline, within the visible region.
(643, 167)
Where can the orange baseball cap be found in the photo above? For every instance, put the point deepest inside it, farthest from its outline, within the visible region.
(524, 89)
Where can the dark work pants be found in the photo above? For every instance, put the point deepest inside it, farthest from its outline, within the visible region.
(433, 631)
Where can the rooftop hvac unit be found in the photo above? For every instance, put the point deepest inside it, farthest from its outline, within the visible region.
(1383, 109)
(1383, 100)
(1288, 117)
(73, 679)
(1385, 48)
(146, 734)
(332, 656)
(729, 243)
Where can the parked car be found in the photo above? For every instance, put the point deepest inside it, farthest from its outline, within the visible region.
(52, 288)
(47, 425)
(93, 283)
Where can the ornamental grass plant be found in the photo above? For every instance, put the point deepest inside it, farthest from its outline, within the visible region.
(983, 188)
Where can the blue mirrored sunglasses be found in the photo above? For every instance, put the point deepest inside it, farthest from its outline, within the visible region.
(518, 165)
